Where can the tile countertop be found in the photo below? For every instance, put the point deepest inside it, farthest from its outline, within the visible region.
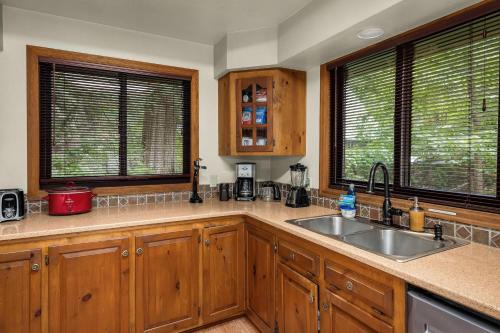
(469, 275)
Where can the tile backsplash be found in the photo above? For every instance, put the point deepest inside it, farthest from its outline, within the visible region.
(468, 232)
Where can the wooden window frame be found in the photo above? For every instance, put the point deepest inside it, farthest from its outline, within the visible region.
(328, 121)
(33, 56)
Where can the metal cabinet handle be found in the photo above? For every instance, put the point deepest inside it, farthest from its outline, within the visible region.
(207, 242)
(311, 298)
(291, 256)
(139, 251)
(125, 253)
(35, 267)
(349, 285)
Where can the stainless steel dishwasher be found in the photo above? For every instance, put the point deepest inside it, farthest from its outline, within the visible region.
(430, 314)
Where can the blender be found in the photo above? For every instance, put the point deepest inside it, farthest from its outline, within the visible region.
(298, 197)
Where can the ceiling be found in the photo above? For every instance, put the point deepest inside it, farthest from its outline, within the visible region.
(203, 21)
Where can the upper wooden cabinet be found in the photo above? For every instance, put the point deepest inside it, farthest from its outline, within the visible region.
(20, 292)
(89, 287)
(262, 112)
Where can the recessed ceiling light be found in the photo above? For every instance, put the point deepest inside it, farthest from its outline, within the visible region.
(370, 33)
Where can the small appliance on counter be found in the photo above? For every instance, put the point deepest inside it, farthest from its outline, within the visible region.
(270, 192)
(69, 200)
(11, 205)
(224, 194)
(298, 197)
(244, 188)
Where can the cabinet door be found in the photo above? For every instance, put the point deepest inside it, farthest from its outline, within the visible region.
(223, 272)
(167, 281)
(20, 292)
(297, 302)
(89, 287)
(339, 316)
(254, 120)
(261, 278)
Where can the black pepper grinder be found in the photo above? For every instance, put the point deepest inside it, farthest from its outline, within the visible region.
(195, 198)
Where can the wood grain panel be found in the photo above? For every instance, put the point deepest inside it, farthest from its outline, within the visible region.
(89, 287)
(20, 292)
(297, 302)
(167, 278)
(261, 268)
(223, 272)
(340, 316)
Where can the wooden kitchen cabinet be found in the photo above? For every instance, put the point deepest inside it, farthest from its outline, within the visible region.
(167, 281)
(223, 272)
(20, 292)
(340, 316)
(89, 287)
(260, 272)
(262, 112)
(297, 302)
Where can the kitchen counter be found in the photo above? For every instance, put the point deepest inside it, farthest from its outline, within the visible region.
(469, 275)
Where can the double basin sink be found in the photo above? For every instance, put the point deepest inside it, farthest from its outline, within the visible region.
(389, 242)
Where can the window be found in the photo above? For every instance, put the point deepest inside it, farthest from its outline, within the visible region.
(367, 116)
(109, 126)
(428, 108)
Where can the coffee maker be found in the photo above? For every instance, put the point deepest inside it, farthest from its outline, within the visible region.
(244, 188)
(298, 197)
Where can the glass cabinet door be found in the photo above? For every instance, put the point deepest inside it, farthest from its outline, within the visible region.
(254, 118)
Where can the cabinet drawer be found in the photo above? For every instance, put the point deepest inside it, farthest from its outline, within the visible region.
(359, 288)
(299, 258)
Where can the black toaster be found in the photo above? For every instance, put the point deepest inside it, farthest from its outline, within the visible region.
(11, 205)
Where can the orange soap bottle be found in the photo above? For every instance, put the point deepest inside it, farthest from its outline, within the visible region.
(417, 217)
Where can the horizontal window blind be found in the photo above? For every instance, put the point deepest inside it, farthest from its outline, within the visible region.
(368, 94)
(454, 109)
(429, 110)
(104, 127)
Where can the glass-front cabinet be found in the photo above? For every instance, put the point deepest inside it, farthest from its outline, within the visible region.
(262, 113)
(254, 120)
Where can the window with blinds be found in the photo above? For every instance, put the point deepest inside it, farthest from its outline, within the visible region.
(429, 110)
(367, 114)
(454, 109)
(107, 127)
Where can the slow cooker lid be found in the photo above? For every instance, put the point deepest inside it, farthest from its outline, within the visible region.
(68, 188)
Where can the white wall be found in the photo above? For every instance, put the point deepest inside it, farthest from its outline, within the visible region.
(245, 50)
(23, 28)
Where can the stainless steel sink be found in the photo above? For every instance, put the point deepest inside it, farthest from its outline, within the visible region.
(389, 242)
(331, 225)
(399, 245)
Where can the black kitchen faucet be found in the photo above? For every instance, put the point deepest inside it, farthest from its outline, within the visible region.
(387, 210)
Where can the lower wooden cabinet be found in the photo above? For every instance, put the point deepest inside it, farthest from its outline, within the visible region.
(223, 272)
(20, 292)
(340, 316)
(297, 302)
(167, 281)
(261, 278)
(89, 287)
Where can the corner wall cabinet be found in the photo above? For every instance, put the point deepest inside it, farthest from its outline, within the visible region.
(177, 277)
(262, 112)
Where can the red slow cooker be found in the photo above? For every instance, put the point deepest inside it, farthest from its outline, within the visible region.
(69, 200)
